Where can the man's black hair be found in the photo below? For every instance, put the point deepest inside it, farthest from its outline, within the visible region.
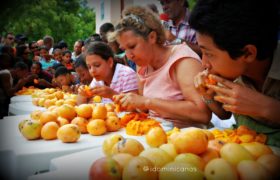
(233, 24)
(62, 70)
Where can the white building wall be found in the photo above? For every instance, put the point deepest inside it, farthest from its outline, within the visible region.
(111, 11)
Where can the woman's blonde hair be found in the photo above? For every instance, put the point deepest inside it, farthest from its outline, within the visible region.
(141, 21)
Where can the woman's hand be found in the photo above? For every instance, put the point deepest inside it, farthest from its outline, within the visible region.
(237, 98)
(131, 101)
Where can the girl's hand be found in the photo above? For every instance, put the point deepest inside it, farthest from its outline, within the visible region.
(104, 91)
(237, 98)
(85, 91)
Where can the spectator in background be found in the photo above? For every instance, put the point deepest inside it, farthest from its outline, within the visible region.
(64, 79)
(48, 43)
(9, 39)
(23, 53)
(9, 51)
(120, 56)
(179, 30)
(40, 42)
(104, 29)
(21, 39)
(67, 61)
(34, 51)
(93, 38)
(82, 71)
(77, 49)
(7, 86)
(43, 79)
(57, 55)
(46, 59)
(62, 45)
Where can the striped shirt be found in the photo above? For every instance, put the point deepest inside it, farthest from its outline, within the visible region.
(125, 79)
(183, 30)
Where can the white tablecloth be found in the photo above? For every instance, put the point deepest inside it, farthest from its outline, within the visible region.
(22, 158)
(20, 108)
(21, 98)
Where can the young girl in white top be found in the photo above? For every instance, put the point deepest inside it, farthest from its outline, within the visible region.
(109, 77)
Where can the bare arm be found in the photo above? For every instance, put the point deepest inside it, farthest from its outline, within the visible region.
(192, 108)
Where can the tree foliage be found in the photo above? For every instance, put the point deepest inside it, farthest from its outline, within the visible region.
(66, 20)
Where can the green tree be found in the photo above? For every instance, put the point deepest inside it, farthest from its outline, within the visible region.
(66, 20)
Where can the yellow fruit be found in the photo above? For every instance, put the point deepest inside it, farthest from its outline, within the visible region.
(128, 145)
(220, 169)
(171, 138)
(62, 121)
(84, 110)
(209, 134)
(48, 116)
(41, 102)
(67, 111)
(35, 101)
(235, 153)
(179, 170)
(59, 102)
(139, 168)
(257, 149)
(31, 129)
(36, 114)
(70, 102)
(113, 123)
(249, 169)
(59, 95)
(192, 140)
(209, 155)
(110, 142)
(192, 159)
(246, 138)
(156, 137)
(158, 156)
(49, 131)
(169, 149)
(81, 123)
(109, 113)
(97, 99)
(110, 107)
(122, 159)
(96, 127)
(99, 112)
(271, 163)
(49, 103)
(216, 144)
(69, 133)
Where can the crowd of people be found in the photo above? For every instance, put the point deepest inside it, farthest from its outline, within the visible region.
(163, 66)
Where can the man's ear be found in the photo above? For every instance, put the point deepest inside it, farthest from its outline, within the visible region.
(250, 53)
(152, 37)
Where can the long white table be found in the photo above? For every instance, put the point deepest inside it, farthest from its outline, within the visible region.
(22, 158)
(21, 98)
(21, 108)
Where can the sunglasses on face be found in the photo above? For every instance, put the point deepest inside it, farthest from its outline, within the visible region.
(11, 38)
